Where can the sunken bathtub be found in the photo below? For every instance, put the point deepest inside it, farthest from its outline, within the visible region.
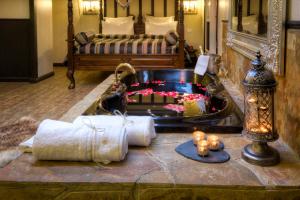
(178, 101)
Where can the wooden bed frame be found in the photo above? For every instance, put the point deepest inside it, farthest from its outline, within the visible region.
(109, 62)
(239, 14)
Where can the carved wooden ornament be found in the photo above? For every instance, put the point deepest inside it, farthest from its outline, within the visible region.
(123, 3)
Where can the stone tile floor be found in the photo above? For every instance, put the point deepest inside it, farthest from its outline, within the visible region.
(47, 99)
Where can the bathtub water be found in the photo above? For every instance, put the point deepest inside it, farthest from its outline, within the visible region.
(180, 101)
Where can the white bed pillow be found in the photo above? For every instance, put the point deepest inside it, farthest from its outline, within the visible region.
(118, 19)
(160, 28)
(157, 20)
(113, 28)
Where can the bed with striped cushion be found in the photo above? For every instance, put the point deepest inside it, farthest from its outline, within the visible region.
(128, 44)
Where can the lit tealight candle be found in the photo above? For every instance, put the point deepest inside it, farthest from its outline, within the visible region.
(264, 129)
(213, 142)
(202, 148)
(198, 136)
(252, 100)
(261, 130)
(263, 108)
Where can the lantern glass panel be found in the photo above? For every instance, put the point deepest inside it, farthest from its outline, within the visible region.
(259, 111)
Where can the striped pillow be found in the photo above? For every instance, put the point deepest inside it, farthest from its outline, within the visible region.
(119, 36)
(115, 36)
(84, 37)
(172, 37)
(152, 36)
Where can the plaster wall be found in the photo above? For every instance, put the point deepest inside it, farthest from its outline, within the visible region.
(43, 14)
(293, 7)
(223, 15)
(14, 9)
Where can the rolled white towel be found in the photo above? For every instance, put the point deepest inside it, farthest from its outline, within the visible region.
(56, 140)
(140, 129)
(26, 146)
(110, 146)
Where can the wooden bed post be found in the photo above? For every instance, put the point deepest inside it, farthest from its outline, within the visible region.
(70, 72)
(105, 8)
(152, 7)
(140, 17)
(165, 8)
(181, 35)
(115, 8)
(240, 16)
(100, 16)
(176, 10)
(262, 27)
(128, 10)
(248, 8)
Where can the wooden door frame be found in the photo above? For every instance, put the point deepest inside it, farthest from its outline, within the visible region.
(216, 25)
(32, 74)
(33, 40)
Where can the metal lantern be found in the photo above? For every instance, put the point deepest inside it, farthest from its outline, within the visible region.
(259, 125)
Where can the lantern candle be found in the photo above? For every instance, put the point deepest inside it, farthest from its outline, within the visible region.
(263, 108)
(213, 142)
(252, 100)
(261, 130)
(202, 148)
(264, 130)
(198, 136)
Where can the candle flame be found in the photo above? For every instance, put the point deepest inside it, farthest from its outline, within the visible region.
(252, 100)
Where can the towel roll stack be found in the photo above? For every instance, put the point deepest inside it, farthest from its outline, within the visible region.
(90, 138)
(56, 140)
(140, 129)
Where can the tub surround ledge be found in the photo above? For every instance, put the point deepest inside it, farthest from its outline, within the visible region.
(156, 172)
(152, 173)
(234, 92)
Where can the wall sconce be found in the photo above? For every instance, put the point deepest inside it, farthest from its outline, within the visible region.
(259, 124)
(90, 7)
(190, 7)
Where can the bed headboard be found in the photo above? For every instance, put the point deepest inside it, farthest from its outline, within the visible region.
(139, 26)
(177, 59)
